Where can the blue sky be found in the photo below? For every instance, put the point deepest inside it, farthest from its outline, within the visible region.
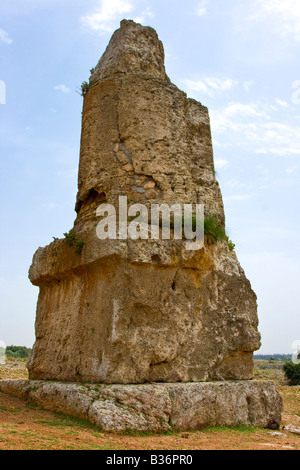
(241, 59)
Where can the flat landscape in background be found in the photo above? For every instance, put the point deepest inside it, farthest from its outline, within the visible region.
(24, 426)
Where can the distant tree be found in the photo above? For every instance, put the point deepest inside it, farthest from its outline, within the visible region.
(279, 357)
(292, 373)
(18, 352)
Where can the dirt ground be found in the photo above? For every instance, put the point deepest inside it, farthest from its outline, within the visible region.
(24, 426)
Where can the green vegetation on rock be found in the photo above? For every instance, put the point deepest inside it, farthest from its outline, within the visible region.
(85, 86)
(216, 231)
(72, 240)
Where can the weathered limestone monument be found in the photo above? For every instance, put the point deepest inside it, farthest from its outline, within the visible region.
(169, 333)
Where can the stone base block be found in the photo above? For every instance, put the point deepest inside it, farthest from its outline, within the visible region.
(157, 407)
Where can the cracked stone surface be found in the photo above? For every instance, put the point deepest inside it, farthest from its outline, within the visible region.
(157, 408)
(125, 311)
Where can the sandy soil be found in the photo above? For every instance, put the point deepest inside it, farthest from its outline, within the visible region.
(25, 426)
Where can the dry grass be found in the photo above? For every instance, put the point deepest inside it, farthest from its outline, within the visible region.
(24, 426)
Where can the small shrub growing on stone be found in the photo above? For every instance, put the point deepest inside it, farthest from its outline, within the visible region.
(85, 86)
(72, 240)
(215, 230)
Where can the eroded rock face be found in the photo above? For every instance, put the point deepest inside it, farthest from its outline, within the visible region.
(157, 408)
(125, 311)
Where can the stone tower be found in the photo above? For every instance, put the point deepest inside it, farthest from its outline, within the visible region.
(126, 311)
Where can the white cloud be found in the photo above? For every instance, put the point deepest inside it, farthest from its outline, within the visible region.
(238, 117)
(210, 85)
(216, 143)
(221, 84)
(196, 85)
(148, 13)
(62, 88)
(202, 8)
(235, 184)
(282, 103)
(257, 126)
(285, 15)
(220, 163)
(262, 126)
(4, 37)
(103, 19)
(278, 139)
(291, 169)
(246, 110)
(289, 150)
(247, 85)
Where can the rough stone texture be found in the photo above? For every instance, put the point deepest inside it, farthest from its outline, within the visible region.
(160, 407)
(134, 115)
(135, 311)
